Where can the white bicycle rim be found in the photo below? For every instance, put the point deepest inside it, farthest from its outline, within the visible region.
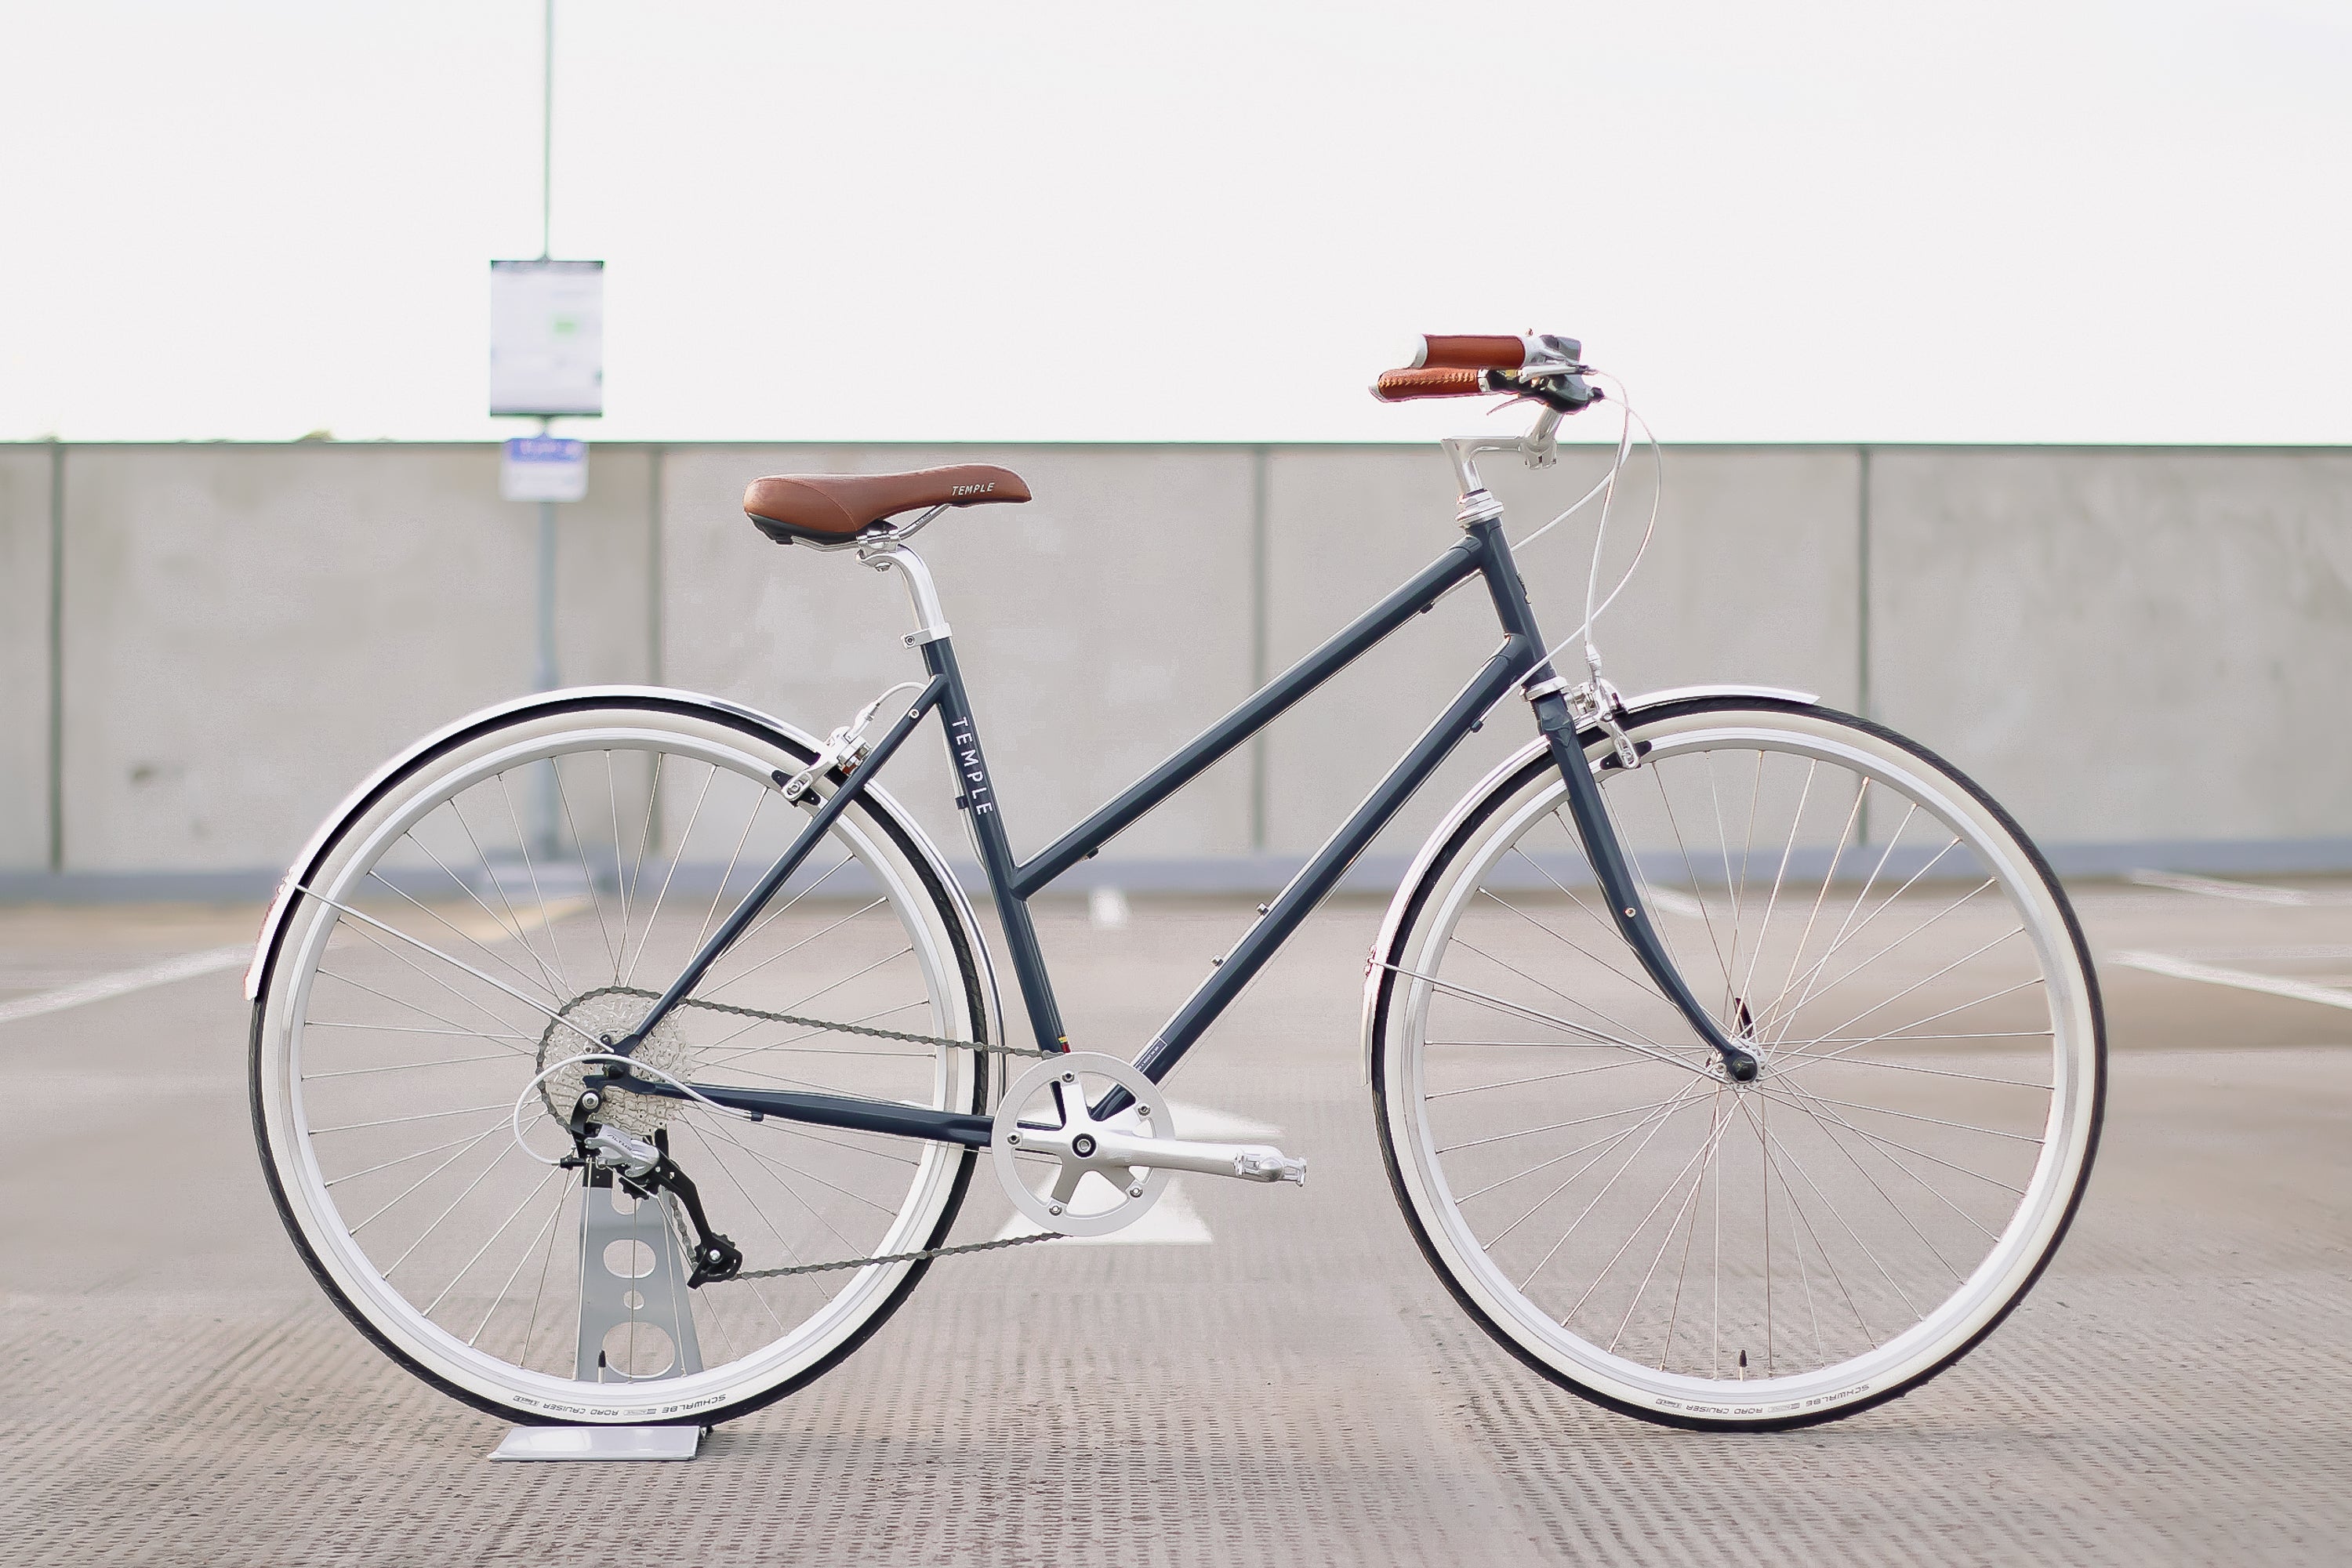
(853, 1296)
(1940, 1334)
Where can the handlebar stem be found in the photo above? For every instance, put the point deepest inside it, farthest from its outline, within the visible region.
(1538, 448)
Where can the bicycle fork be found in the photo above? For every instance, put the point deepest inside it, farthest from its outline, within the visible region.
(1558, 724)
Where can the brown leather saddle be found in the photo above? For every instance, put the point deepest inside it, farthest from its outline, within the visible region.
(828, 509)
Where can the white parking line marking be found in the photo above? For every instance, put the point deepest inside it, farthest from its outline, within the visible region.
(484, 929)
(1676, 903)
(2220, 887)
(2244, 979)
(123, 981)
(1217, 1126)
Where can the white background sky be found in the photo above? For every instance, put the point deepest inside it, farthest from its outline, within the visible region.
(2062, 221)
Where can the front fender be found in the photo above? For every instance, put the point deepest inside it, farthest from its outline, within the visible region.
(1384, 944)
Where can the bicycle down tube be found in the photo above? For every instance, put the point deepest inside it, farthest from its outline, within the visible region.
(1520, 661)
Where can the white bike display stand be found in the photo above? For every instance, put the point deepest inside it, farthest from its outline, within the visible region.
(633, 1272)
(547, 1444)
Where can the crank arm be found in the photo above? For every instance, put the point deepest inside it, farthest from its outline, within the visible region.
(1244, 1161)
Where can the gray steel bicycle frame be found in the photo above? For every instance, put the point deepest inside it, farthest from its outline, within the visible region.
(1482, 552)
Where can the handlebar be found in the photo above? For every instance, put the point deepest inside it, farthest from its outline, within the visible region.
(1542, 367)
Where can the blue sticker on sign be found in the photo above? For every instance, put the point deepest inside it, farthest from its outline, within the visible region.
(543, 468)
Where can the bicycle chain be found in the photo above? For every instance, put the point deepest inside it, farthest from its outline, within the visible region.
(799, 1021)
(894, 1257)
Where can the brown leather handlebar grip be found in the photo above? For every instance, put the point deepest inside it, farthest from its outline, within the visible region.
(1401, 386)
(1471, 353)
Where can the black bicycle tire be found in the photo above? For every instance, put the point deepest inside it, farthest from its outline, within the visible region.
(1468, 832)
(975, 993)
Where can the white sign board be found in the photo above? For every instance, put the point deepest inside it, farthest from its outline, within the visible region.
(547, 337)
(543, 468)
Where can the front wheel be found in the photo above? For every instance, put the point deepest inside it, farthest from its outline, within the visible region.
(1709, 1254)
(508, 898)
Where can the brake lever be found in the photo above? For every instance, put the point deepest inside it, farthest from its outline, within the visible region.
(1564, 389)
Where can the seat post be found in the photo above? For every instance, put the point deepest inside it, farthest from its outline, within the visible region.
(930, 622)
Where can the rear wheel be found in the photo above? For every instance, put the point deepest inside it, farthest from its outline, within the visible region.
(531, 885)
(1705, 1252)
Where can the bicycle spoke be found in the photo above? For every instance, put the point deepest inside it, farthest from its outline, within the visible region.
(1611, 1143)
(728, 875)
(1920, 1154)
(772, 916)
(1656, 1127)
(580, 852)
(1559, 1126)
(1690, 871)
(435, 916)
(496, 1161)
(710, 778)
(1764, 929)
(1836, 1276)
(1540, 1078)
(470, 1144)
(402, 1067)
(791, 1254)
(546, 1232)
(457, 964)
(435, 1305)
(1771, 1016)
(1807, 1059)
(401, 1160)
(1468, 946)
(786, 952)
(1698, 1159)
(512, 922)
(531, 869)
(1576, 948)
(1532, 1016)
(454, 1028)
(1682, 1273)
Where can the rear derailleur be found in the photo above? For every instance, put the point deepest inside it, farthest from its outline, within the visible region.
(645, 1170)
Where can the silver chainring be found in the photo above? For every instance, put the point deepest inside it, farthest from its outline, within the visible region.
(1065, 1193)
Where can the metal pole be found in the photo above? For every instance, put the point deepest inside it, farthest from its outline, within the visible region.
(545, 673)
(547, 133)
(1260, 641)
(1862, 693)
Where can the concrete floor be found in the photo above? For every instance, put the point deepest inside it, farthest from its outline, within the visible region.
(1300, 1391)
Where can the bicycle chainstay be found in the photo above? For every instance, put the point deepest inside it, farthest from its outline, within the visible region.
(798, 1022)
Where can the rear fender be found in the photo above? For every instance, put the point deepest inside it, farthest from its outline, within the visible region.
(314, 852)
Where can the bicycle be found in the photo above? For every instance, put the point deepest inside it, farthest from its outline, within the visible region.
(1652, 992)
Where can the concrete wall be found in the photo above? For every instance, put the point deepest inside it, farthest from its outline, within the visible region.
(27, 525)
(2137, 650)
(2123, 646)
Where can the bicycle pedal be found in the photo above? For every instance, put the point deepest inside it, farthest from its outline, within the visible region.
(1270, 1165)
